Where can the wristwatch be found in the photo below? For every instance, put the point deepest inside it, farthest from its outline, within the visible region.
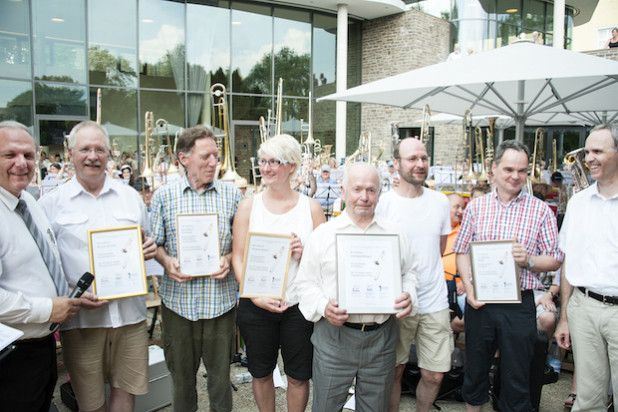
(530, 262)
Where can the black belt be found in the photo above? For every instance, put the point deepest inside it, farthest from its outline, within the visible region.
(610, 300)
(365, 327)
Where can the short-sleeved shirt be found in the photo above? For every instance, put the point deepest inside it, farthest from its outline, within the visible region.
(201, 297)
(525, 218)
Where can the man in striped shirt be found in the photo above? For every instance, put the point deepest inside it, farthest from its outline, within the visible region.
(198, 312)
(508, 213)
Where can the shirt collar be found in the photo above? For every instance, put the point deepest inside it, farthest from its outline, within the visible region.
(343, 221)
(594, 192)
(75, 188)
(518, 198)
(186, 185)
(8, 198)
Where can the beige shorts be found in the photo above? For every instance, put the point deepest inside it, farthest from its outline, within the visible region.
(95, 356)
(432, 334)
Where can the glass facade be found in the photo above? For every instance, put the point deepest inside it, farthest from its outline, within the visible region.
(164, 56)
(480, 25)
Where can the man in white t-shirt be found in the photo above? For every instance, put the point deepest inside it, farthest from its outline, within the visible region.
(424, 216)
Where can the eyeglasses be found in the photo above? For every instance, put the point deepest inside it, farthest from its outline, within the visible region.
(414, 159)
(273, 163)
(97, 150)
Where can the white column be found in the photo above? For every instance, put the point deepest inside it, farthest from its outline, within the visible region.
(559, 24)
(342, 79)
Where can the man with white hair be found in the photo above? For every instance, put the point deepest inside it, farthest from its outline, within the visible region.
(348, 346)
(110, 343)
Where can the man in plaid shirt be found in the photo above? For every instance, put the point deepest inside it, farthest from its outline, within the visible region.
(508, 213)
(198, 312)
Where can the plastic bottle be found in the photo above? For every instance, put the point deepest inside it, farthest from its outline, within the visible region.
(554, 357)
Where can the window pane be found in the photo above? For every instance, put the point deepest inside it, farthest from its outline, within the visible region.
(534, 16)
(324, 54)
(293, 111)
(208, 47)
(198, 109)
(15, 40)
(162, 44)
(251, 49)
(61, 100)
(250, 107)
(112, 42)
(118, 116)
(16, 101)
(164, 105)
(293, 51)
(324, 124)
(59, 40)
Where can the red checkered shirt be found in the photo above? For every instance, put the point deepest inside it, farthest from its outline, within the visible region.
(525, 218)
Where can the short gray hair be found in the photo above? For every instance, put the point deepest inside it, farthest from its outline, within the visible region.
(84, 124)
(359, 164)
(282, 147)
(12, 124)
(613, 130)
(510, 144)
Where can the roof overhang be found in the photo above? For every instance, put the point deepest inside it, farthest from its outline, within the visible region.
(583, 8)
(359, 9)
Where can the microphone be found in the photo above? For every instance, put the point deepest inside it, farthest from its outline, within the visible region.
(82, 285)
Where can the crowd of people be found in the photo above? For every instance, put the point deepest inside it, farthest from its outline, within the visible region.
(44, 251)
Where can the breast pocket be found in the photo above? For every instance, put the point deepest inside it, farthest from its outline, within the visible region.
(126, 218)
(71, 230)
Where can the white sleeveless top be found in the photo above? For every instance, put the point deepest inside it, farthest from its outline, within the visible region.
(297, 220)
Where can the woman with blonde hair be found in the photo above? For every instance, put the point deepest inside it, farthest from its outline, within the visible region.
(269, 324)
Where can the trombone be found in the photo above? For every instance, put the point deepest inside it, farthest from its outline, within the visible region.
(160, 124)
(467, 142)
(425, 125)
(480, 152)
(148, 130)
(221, 128)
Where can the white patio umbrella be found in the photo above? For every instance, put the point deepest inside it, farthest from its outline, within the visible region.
(520, 81)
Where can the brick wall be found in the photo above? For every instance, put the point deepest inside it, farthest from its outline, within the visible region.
(393, 45)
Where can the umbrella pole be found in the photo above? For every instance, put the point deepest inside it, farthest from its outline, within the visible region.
(519, 128)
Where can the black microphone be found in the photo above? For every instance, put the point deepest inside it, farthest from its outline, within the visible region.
(82, 285)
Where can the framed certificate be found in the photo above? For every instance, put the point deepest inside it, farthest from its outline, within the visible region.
(266, 264)
(198, 243)
(368, 272)
(495, 274)
(117, 262)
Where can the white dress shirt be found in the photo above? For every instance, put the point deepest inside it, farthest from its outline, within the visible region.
(26, 287)
(316, 281)
(589, 242)
(72, 211)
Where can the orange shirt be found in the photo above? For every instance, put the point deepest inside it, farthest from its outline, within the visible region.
(448, 259)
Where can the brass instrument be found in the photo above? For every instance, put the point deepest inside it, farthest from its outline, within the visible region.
(535, 166)
(221, 129)
(279, 115)
(363, 152)
(99, 98)
(115, 150)
(162, 123)
(148, 130)
(394, 136)
(480, 152)
(467, 143)
(574, 164)
(554, 156)
(425, 125)
(489, 148)
(65, 144)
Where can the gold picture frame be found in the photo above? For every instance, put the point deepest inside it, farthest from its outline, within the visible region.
(117, 262)
(263, 274)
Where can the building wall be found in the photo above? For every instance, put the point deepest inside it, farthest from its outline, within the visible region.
(605, 15)
(611, 54)
(393, 45)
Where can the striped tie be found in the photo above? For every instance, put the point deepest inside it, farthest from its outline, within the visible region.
(48, 255)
